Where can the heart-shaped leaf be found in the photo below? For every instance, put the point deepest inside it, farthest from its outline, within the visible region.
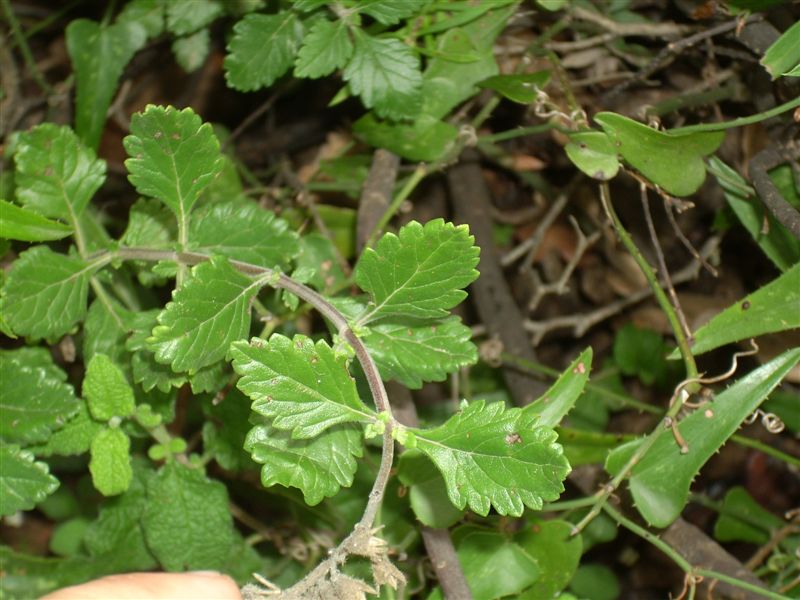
(594, 154)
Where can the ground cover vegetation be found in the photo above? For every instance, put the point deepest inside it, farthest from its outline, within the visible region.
(409, 299)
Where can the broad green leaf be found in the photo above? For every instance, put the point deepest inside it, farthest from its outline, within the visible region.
(105, 330)
(673, 162)
(318, 254)
(326, 47)
(56, 175)
(146, 371)
(390, 12)
(192, 50)
(208, 312)
(150, 224)
(494, 565)
(640, 353)
(426, 139)
(413, 354)
(110, 464)
(555, 551)
(419, 273)
(493, 456)
(24, 482)
(99, 55)
(660, 481)
(262, 49)
(243, 232)
(594, 154)
(67, 536)
(45, 294)
(783, 56)
(774, 239)
(187, 522)
(427, 491)
(385, 74)
(742, 519)
(773, 307)
(16, 223)
(35, 397)
(74, 438)
(562, 395)
(595, 581)
(173, 156)
(301, 384)
(106, 389)
(319, 467)
(521, 88)
(225, 431)
(187, 16)
(150, 14)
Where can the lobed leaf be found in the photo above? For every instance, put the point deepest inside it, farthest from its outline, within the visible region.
(385, 74)
(390, 12)
(106, 389)
(319, 467)
(413, 353)
(45, 294)
(56, 175)
(326, 47)
(262, 49)
(773, 307)
(491, 456)
(35, 398)
(187, 16)
(554, 405)
(672, 161)
(660, 481)
(187, 522)
(244, 232)
(303, 385)
(208, 312)
(426, 139)
(146, 371)
(74, 438)
(17, 223)
(99, 55)
(105, 330)
(173, 156)
(419, 273)
(192, 50)
(24, 482)
(110, 464)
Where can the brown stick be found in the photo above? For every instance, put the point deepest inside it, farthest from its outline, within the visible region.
(377, 193)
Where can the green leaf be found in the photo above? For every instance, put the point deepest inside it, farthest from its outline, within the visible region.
(74, 438)
(27, 576)
(244, 232)
(16, 223)
(192, 50)
(106, 389)
(390, 12)
(45, 294)
(67, 537)
(595, 581)
(490, 456)
(187, 16)
(208, 312)
(326, 47)
(318, 255)
(302, 384)
(225, 431)
(521, 88)
(742, 519)
(110, 464)
(562, 395)
(385, 74)
(427, 491)
(494, 565)
(23, 481)
(594, 154)
(151, 225)
(174, 156)
(660, 480)
(671, 161)
(783, 56)
(555, 551)
(640, 353)
(105, 330)
(146, 371)
(150, 14)
(187, 522)
(319, 467)
(56, 175)
(426, 139)
(262, 49)
(35, 398)
(773, 307)
(777, 242)
(419, 273)
(99, 55)
(413, 354)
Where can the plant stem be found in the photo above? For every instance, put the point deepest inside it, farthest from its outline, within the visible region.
(739, 583)
(410, 185)
(756, 118)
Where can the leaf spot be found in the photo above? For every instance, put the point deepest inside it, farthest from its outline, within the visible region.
(708, 413)
(579, 368)
(745, 304)
(513, 438)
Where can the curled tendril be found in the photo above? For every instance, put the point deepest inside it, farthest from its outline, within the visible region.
(770, 421)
